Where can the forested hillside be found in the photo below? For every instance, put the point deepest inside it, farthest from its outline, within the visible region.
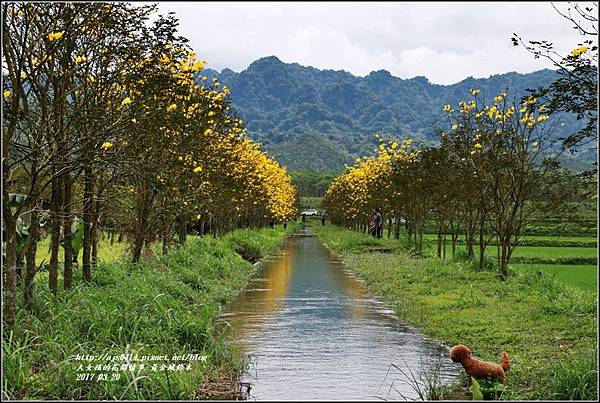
(320, 119)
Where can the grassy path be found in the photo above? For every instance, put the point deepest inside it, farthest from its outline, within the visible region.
(548, 329)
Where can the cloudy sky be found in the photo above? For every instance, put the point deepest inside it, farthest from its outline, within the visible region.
(445, 42)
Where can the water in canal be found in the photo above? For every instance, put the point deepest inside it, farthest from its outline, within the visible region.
(313, 332)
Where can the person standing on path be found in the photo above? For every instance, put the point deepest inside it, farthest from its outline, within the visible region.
(323, 219)
(377, 223)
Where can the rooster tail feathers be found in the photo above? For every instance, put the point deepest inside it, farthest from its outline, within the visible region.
(505, 362)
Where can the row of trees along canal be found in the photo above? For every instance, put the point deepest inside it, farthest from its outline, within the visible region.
(494, 167)
(107, 117)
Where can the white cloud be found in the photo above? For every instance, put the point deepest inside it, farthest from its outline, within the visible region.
(446, 42)
(326, 48)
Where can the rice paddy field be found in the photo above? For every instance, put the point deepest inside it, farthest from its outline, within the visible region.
(581, 277)
(549, 251)
(571, 260)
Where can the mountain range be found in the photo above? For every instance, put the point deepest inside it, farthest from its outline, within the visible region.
(319, 120)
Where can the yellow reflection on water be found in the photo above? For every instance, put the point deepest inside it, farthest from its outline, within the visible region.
(265, 297)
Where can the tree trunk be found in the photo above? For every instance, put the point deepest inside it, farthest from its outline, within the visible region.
(439, 241)
(469, 241)
(19, 267)
(141, 229)
(481, 253)
(182, 227)
(498, 252)
(67, 235)
(55, 236)
(454, 241)
(9, 266)
(444, 246)
(96, 230)
(504, 257)
(34, 230)
(166, 242)
(481, 257)
(88, 189)
(482, 243)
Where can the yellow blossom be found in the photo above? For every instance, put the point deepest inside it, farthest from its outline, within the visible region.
(126, 101)
(55, 36)
(106, 145)
(198, 66)
(531, 101)
(80, 59)
(475, 91)
(542, 118)
(23, 75)
(7, 93)
(577, 52)
(171, 107)
(198, 169)
(454, 127)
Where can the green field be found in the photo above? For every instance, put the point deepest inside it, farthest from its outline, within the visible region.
(570, 265)
(537, 237)
(106, 252)
(552, 252)
(556, 250)
(583, 277)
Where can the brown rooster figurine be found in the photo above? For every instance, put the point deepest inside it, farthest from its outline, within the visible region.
(480, 369)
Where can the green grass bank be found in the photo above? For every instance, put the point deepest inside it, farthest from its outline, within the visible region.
(548, 328)
(165, 305)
